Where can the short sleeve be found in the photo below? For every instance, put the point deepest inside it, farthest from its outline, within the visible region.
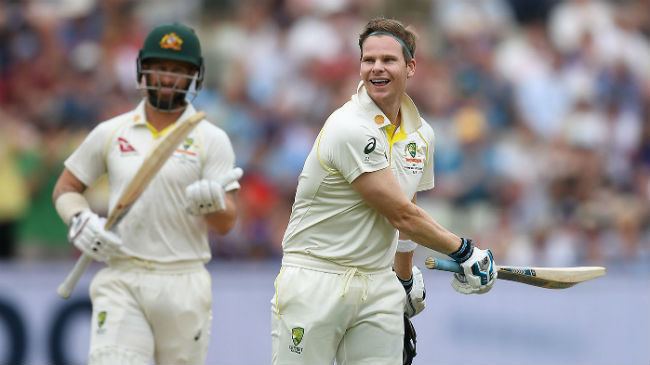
(219, 156)
(427, 181)
(352, 151)
(88, 162)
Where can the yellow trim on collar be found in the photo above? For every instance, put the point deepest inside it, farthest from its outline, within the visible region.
(393, 137)
(155, 133)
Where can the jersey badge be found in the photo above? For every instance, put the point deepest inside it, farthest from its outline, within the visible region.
(412, 148)
(296, 336)
(101, 319)
(125, 146)
(171, 41)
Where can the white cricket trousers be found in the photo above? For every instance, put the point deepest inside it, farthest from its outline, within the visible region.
(144, 310)
(322, 311)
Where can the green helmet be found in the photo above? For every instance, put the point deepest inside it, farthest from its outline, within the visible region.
(172, 42)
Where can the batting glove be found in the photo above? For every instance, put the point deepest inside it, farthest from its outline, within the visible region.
(209, 196)
(415, 293)
(87, 233)
(478, 266)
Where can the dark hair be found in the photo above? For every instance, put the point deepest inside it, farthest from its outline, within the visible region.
(393, 27)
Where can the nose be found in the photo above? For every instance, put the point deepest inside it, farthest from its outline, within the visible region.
(377, 66)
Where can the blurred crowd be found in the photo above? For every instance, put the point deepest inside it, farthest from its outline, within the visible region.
(541, 111)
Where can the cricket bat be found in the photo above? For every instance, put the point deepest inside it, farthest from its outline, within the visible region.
(544, 277)
(152, 163)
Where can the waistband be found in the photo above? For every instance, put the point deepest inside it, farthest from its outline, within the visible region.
(321, 264)
(163, 267)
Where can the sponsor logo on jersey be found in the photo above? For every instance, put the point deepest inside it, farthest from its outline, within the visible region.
(372, 143)
(296, 335)
(125, 146)
(171, 41)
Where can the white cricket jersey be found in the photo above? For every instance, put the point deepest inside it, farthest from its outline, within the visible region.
(157, 226)
(329, 219)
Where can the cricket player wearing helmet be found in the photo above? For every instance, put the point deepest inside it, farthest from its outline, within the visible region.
(336, 297)
(153, 299)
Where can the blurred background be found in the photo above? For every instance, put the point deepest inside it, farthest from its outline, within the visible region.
(541, 111)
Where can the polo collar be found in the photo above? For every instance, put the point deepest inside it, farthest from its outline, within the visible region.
(140, 117)
(411, 121)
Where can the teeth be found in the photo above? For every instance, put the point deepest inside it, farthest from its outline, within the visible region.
(379, 81)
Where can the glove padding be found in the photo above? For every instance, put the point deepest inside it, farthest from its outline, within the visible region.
(209, 196)
(409, 342)
(87, 233)
(480, 273)
(415, 295)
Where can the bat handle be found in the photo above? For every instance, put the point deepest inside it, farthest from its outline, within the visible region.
(442, 264)
(65, 289)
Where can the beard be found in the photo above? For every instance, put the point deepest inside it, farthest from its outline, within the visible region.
(167, 103)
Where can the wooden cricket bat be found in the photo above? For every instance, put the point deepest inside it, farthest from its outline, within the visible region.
(544, 277)
(152, 163)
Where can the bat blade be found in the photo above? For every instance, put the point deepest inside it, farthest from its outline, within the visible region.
(156, 158)
(152, 163)
(543, 277)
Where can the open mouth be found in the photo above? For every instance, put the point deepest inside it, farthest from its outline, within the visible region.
(380, 82)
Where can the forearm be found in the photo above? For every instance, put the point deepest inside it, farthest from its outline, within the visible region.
(222, 222)
(420, 228)
(402, 265)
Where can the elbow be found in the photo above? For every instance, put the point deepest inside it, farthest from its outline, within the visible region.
(402, 219)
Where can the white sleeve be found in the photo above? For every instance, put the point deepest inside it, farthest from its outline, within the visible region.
(219, 156)
(88, 161)
(427, 181)
(352, 150)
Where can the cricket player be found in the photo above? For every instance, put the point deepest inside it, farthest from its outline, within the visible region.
(336, 297)
(153, 300)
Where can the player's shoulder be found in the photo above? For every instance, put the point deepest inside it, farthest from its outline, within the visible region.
(426, 128)
(111, 124)
(210, 130)
(348, 121)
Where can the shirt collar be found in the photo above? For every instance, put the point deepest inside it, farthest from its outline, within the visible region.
(410, 116)
(140, 117)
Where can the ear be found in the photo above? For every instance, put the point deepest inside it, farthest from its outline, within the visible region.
(410, 65)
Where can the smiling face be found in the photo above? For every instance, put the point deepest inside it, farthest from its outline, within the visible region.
(384, 72)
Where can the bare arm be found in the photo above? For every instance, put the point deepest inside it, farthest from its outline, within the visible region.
(380, 190)
(223, 221)
(66, 183)
(404, 260)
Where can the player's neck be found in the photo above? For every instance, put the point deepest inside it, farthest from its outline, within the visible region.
(160, 119)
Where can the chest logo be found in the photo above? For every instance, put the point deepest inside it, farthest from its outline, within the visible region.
(372, 143)
(125, 146)
(412, 148)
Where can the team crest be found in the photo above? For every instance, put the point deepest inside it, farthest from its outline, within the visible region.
(412, 148)
(188, 142)
(101, 319)
(171, 41)
(296, 336)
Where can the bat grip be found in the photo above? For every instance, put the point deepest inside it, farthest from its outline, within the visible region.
(65, 289)
(445, 265)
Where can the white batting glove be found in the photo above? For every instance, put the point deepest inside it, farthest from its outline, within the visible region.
(209, 196)
(87, 233)
(480, 270)
(415, 293)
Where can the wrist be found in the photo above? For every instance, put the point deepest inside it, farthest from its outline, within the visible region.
(464, 251)
(407, 284)
(69, 205)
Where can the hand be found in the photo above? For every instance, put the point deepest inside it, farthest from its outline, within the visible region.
(415, 293)
(480, 272)
(209, 196)
(87, 233)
